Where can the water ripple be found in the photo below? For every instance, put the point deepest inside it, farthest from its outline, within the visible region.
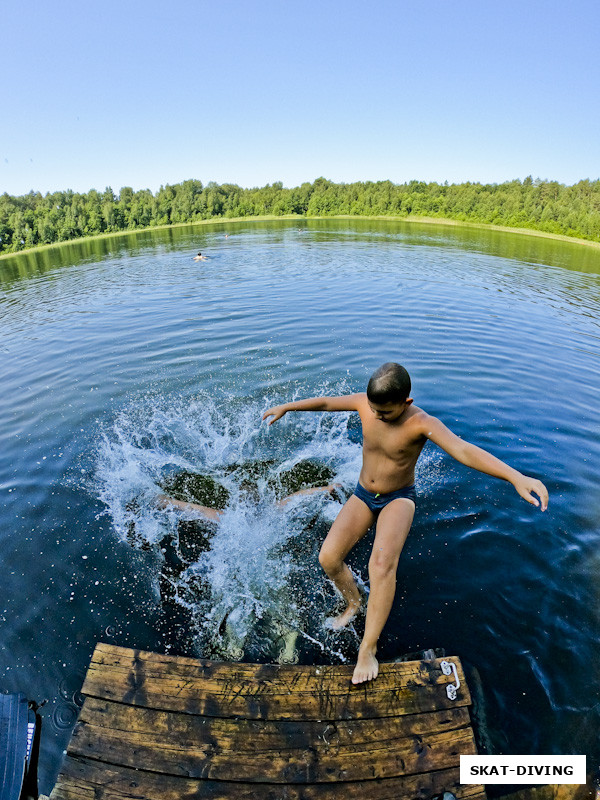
(126, 364)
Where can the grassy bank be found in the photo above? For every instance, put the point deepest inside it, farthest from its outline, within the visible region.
(149, 229)
(271, 217)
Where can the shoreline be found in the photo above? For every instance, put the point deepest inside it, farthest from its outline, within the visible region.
(270, 217)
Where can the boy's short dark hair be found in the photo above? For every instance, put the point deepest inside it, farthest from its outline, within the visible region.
(389, 384)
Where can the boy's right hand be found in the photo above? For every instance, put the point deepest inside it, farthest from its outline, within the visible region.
(276, 412)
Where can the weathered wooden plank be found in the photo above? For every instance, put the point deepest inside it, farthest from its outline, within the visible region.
(85, 779)
(134, 679)
(113, 654)
(222, 676)
(258, 736)
(250, 703)
(206, 688)
(208, 760)
(299, 684)
(164, 727)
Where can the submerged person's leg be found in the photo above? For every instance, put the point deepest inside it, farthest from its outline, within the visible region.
(351, 524)
(164, 501)
(330, 489)
(393, 526)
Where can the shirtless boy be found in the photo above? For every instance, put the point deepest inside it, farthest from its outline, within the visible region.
(394, 433)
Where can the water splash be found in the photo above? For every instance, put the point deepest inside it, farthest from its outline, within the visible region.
(249, 581)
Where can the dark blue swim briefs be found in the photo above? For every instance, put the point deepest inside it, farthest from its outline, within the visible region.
(378, 501)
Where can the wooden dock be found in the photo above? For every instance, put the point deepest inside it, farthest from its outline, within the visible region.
(159, 727)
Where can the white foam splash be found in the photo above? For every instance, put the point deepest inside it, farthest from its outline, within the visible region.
(255, 581)
(254, 590)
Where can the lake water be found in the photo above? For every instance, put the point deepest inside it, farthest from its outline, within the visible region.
(127, 369)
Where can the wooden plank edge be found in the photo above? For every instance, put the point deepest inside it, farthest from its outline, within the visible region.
(126, 658)
(83, 779)
(129, 653)
(303, 765)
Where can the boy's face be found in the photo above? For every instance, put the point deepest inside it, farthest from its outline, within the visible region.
(389, 412)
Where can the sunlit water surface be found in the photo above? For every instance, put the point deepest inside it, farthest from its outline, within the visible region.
(125, 365)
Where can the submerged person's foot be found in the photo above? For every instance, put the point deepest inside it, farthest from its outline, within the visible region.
(345, 618)
(367, 666)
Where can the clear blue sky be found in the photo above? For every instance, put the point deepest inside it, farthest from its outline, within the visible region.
(141, 94)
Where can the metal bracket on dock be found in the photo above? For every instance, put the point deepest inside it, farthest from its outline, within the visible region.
(448, 667)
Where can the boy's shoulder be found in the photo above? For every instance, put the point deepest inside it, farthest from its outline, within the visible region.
(360, 398)
(421, 414)
(417, 418)
(415, 412)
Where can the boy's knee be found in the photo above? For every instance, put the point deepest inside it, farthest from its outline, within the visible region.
(382, 565)
(329, 561)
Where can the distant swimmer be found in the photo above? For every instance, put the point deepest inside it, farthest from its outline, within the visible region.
(200, 257)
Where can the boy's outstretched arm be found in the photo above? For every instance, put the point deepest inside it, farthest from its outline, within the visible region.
(349, 402)
(480, 459)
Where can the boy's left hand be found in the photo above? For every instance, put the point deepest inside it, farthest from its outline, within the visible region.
(526, 485)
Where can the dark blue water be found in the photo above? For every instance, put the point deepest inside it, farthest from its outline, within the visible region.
(125, 364)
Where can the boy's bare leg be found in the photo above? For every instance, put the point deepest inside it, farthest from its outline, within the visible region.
(393, 526)
(351, 524)
(164, 501)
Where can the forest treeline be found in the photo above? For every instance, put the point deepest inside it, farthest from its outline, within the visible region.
(35, 219)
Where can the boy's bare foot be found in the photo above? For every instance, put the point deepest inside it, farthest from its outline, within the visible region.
(343, 619)
(367, 666)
